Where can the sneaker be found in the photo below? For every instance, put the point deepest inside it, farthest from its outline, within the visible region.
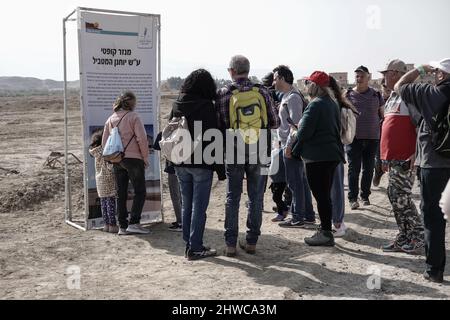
(340, 232)
(321, 238)
(123, 232)
(204, 253)
(365, 202)
(291, 223)
(434, 277)
(113, 229)
(392, 247)
(414, 247)
(354, 205)
(175, 226)
(280, 216)
(137, 228)
(249, 248)
(310, 224)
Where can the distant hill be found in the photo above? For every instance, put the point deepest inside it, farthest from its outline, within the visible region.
(25, 84)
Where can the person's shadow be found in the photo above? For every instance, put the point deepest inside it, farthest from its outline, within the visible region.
(305, 270)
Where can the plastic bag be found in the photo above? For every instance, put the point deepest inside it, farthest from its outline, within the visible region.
(113, 150)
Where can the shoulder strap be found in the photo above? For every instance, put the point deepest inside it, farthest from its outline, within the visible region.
(305, 102)
(120, 119)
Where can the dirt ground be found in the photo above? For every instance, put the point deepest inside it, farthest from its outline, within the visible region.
(38, 250)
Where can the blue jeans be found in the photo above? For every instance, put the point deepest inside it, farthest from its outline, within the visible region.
(338, 195)
(361, 151)
(432, 184)
(195, 187)
(301, 205)
(255, 190)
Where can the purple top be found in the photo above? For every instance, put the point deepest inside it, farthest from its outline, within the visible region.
(368, 104)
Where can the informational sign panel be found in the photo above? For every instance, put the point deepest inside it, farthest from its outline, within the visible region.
(119, 53)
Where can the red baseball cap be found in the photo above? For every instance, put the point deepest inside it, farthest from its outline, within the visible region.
(320, 78)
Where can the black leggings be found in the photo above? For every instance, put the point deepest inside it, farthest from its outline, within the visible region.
(320, 179)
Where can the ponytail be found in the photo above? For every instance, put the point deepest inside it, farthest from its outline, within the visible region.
(123, 101)
(339, 95)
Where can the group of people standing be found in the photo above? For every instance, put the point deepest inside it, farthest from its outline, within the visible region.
(392, 130)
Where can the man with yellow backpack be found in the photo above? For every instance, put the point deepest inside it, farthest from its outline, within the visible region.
(246, 113)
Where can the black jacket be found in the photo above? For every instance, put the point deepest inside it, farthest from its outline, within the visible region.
(197, 109)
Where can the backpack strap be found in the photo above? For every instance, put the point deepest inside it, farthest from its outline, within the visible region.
(234, 89)
(134, 135)
(304, 101)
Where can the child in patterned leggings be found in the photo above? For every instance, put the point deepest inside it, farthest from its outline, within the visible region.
(106, 185)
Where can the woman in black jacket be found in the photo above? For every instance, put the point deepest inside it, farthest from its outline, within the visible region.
(195, 103)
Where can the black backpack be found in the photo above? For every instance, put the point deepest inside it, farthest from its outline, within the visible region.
(440, 132)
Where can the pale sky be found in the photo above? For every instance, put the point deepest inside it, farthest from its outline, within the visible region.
(307, 35)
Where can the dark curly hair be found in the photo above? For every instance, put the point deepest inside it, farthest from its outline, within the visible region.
(200, 83)
(96, 138)
(285, 73)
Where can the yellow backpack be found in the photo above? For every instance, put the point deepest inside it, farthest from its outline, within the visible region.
(248, 113)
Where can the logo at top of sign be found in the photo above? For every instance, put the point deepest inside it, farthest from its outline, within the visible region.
(145, 38)
(93, 26)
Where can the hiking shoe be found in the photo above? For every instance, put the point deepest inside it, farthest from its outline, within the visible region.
(105, 228)
(291, 223)
(137, 229)
(175, 226)
(354, 205)
(366, 202)
(414, 247)
(437, 277)
(204, 253)
(123, 232)
(339, 232)
(230, 251)
(321, 238)
(249, 248)
(113, 229)
(392, 247)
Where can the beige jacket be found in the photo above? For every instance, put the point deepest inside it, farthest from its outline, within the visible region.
(104, 176)
(130, 125)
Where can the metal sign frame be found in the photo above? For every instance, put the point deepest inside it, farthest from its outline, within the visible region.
(67, 183)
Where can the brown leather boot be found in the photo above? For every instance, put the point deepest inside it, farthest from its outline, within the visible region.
(113, 229)
(230, 251)
(249, 248)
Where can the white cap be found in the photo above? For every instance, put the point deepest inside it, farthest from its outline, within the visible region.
(443, 65)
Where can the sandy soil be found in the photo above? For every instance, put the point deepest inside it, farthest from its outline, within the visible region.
(37, 247)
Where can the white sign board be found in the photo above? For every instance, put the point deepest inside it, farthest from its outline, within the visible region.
(119, 53)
